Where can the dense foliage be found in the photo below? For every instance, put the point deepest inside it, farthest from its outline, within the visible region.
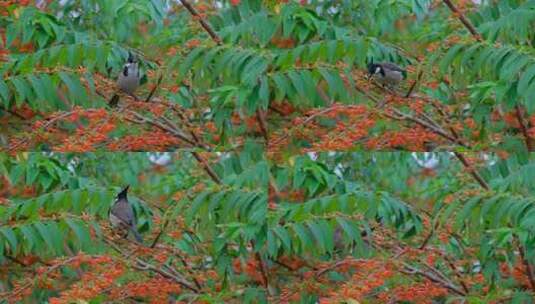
(402, 228)
(284, 212)
(336, 227)
(216, 72)
(203, 237)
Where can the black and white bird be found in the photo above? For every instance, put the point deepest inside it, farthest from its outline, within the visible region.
(128, 80)
(387, 73)
(122, 217)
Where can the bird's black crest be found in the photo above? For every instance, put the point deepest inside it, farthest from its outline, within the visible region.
(123, 192)
(130, 57)
(371, 67)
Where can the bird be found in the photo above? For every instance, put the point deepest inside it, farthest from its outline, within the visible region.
(121, 215)
(128, 80)
(387, 73)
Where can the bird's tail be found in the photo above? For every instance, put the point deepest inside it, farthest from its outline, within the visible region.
(136, 234)
(114, 101)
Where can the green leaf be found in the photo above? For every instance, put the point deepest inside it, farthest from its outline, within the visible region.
(4, 94)
(284, 237)
(81, 232)
(77, 92)
(29, 237)
(304, 238)
(449, 57)
(318, 236)
(46, 236)
(264, 92)
(349, 229)
(23, 91)
(11, 239)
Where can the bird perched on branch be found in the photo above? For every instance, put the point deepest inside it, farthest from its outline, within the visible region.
(128, 80)
(387, 73)
(122, 217)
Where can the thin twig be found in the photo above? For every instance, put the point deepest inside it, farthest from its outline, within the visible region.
(263, 270)
(413, 86)
(430, 127)
(527, 265)
(428, 238)
(13, 113)
(472, 171)
(201, 20)
(410, 270)
(174, 132)
(477, 36)
(19, 290)
(274, 109)
(319, 272)
(206, 167)
(437, 272)
(143, 265)
(154, 89)
(333, 266)
(463, 19)
(457, 274)
(262, 124)
(159, 234)
(44, 127)
(193, 135)
(261, 121)
(310, 118)
(404, 116)
(188, 268)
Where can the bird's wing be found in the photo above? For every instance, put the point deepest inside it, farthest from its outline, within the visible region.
(124, 212)
(392, 66)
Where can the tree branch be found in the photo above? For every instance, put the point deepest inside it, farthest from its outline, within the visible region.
(259, 115)
(263, 270)
(472, 171)
(527, 265)
(14, 113)
(206, 167)
(143, 265)
(149, 97)
(262, 124)
(433, 278)
(172, 131)
(433, 126)
(45, 126)
(157, 238)
(413, 86)
(310, 118)
(463, 19)
(203, 23)
(52, 268)
(457, 274)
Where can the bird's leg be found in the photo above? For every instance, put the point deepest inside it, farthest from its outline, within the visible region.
(134, 96)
